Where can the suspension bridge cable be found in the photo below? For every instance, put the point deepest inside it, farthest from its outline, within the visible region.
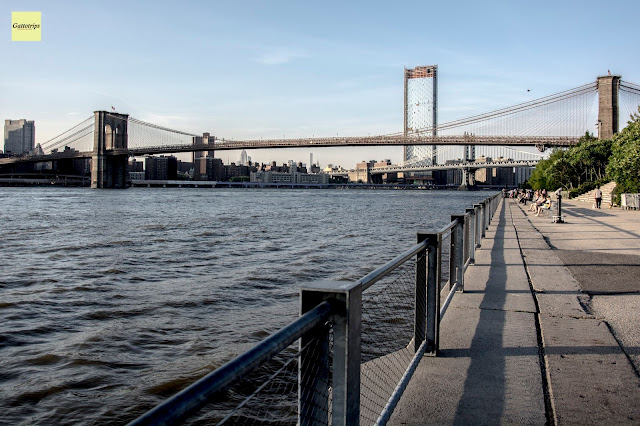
(586, 89)
(66, 131)
(628, 83)
(67, 140)
(157, 127)
(518, 108)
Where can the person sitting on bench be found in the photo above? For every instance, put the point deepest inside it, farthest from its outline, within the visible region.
(544, 206)
(539, 201)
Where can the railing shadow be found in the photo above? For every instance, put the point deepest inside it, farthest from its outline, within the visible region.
(487, 344)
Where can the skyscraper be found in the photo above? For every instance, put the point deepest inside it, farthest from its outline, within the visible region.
(19, 136)
(243, 158)
(421, 111)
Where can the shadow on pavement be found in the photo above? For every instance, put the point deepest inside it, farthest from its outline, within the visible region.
(488, 344)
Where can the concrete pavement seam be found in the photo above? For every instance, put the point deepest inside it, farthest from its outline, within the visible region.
(633, 365)
(581, 300)
(550, 411)
(624, 351)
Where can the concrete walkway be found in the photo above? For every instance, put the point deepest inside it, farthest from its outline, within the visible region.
(523, 344)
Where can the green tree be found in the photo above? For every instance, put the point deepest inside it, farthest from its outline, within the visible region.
(624, 163)
(589, 159)
(579, 168)
(561, 172)
(537, 180)
(542, 176)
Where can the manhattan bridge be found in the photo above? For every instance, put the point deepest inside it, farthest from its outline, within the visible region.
(556, 120)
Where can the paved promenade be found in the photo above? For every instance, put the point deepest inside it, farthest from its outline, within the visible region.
(535, 339)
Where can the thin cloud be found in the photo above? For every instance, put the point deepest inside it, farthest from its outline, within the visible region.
(280, 55)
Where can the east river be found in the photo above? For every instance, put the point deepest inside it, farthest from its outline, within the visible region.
(113, 300)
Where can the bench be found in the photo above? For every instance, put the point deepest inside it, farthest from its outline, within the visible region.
(547, 211)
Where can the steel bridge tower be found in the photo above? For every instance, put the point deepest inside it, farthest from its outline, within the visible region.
(420, 109)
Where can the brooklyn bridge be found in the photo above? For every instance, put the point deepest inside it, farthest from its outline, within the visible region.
(109, 139)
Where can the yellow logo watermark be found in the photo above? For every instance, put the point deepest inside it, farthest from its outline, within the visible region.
(26, 26)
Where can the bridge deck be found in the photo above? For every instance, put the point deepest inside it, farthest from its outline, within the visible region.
(223, 145)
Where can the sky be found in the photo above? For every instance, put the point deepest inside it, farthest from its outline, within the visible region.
(251, 69)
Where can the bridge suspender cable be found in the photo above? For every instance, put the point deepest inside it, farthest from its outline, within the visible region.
(45, 145)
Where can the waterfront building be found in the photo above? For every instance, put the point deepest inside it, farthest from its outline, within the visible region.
(161, 168)
(19, 136)
(485, 176)
(319, 178)
(200, 158)
(136, 170)
(136, 175)
(362, 172)
(522, 175)
(185, 169)
(384, 178)
(334, 169)
(136, 166)
(502, 176)
(269, 176)
(236, 171)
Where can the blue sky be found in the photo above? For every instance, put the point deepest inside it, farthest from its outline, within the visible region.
(250, 69)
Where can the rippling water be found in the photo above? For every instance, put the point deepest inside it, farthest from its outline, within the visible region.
(113, 300)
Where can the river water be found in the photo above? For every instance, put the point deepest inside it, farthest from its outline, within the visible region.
(111, 301)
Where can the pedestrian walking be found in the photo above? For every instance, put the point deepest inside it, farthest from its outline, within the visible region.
(598, 196)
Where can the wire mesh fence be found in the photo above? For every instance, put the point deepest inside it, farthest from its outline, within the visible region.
(387, 344)
(269, 395)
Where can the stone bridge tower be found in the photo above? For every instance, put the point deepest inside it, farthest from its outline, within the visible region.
(109, 168)
(608, 109)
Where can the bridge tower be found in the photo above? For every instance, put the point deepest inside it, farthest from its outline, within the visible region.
(469, 153)
(108, 168)
(608, 109)
(468, 179)
(421, 109)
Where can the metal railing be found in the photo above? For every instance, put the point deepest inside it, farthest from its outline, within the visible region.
(330, 330)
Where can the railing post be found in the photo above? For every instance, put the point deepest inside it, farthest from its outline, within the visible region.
(420, 313)
(479, 222)
(490, 208)
(485, 217)
(346, 300)
(453, 264)
(471, 235)
(433, 294)
(494, 206)
(459, 248)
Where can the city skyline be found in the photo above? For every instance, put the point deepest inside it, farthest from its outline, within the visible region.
(283, 69)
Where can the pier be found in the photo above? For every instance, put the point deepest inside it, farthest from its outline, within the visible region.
(544, 332)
